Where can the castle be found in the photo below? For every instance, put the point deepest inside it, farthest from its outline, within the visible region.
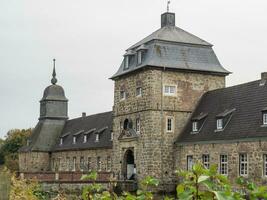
(171, 109)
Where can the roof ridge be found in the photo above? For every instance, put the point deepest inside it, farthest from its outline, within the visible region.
(96, 114)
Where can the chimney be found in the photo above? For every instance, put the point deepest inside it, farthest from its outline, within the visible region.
(83, 114)
(167, 19)
(263, 78)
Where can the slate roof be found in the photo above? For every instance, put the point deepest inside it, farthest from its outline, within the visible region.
(246, 103)
(90, 125)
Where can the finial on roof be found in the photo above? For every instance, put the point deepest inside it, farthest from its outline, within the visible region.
(54, 80)
(168, 5)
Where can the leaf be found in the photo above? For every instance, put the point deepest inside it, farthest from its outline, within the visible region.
(91, 176)
(202, 179)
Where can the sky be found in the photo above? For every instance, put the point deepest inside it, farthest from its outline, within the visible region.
(88, 39)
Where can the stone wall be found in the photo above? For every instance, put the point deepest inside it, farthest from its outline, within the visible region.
(255, 151)
(34, 161)
(61, 162)
(153, 148)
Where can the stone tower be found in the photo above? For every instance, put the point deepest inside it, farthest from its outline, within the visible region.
(53, 115)
(157, 87)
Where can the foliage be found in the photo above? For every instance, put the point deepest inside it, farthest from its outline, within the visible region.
(15, 139)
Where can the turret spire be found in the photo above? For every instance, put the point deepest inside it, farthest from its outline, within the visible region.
(54, 80)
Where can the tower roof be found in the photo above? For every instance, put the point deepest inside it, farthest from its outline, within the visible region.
(173, 47)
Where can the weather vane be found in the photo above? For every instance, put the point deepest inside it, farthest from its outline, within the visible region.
(168, 5)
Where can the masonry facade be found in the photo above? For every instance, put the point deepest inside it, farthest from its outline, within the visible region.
(169, 96)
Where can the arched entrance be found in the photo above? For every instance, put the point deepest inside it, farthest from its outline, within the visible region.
(128, 167)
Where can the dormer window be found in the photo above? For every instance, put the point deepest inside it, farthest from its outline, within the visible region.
(223, 119)
(74, 140)
(264, 118)
(61, 141)
(97, 137)
(139, 57)
(195, 127)
(219, 124)
(85, 138)
(126, 62)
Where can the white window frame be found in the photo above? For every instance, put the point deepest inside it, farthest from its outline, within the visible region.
(108, 163)
(61, 141)
(219, 124)
(189, 162)
(224, 164)
(264, 157)
(170, 120)
(264, 118)
(138, 125)
(74, 140)
(122, 95)
(97, 137)
(98, 163)
(111, 136)
(139, 57)
(243, 164)
(85, 138)
(169, 90)
(206, 160)
(74, 164)
(89, 163)
(139, 91)
(194, 127)
(81, 163)
(68, 164)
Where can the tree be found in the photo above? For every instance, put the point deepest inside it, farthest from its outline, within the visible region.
(15, 139)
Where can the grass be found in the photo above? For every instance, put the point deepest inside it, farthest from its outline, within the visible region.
(4, 185)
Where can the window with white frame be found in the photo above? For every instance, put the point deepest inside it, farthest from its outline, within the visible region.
(126, 62)
(61, 141)
(74, 164)
(195, 127)
(224, 164)
(74, 140)
(206, 161)
(139, 57)
(243, 164)
(98, 163)
(97, 137)
(108, 163)
(169, 124)
(122, 95)
(170, 90)
(190, 163)
(139, 92)
(138, 125)
(264, 118)
(265, 165)
(85, 138)
(219, 124)
(68, 164)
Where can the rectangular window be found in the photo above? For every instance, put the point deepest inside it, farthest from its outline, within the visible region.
(59, 164)
(108, 163)
(139, 92)
(206, 161)
(169, 90)
(224, 164)
(139, 57)
(190, 163)
(122, 95)
(61, 141)
(85, 138)
(169, 125)
(219, 124)
(243, 164)
(126, 62)
(74, 140)
(138, 125)
(68, 164)
(97, 137)
(74, 164)
(264, 118)
(53, 164)
(82, 163)
(98, 162)
(89, 165)
(265, 165)
(195, 127)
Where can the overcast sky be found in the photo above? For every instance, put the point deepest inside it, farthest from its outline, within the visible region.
(88, 39)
